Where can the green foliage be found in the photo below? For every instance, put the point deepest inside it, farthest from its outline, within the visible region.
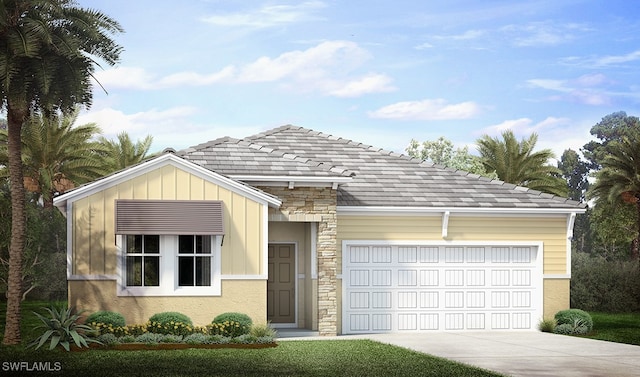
(165, 318)
(106, 318)
(195, 338)
(599, 284)
(564, 329)
(241, 318)
(230, 329)
(575, 317)
(62, 328)
(171, 338)
(576, 172)
(123, 152)
(441, 152)
(547, 325)
(516, 162)
(170, 323)
(108, 339)
(262, 330)
(149, 338)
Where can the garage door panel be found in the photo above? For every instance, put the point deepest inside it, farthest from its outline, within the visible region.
(418, 288)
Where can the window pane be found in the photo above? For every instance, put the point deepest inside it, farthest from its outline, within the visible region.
(134, 271)
(185, 244)
(152, 244)
(151, 271)
(134, 244)
(185, 271)
(203, 244)
(203, 271)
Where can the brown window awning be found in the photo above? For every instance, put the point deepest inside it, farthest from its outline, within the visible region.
(199, 217)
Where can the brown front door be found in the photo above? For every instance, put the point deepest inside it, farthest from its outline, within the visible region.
(281, 284)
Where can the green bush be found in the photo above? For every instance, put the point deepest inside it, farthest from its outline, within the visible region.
(195, 338)
(149, 338)
(574, 317)
(602, 285)
(62, 328)
(108, 339)
(106, 317)
(262, 330)
(173, 323)
(547, 325)
(564, 329)
(242, 319)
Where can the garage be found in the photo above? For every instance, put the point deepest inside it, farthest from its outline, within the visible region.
(455, 286)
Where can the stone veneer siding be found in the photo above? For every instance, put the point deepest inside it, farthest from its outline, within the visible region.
(315, 204)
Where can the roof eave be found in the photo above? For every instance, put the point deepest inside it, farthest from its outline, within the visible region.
(435, 211)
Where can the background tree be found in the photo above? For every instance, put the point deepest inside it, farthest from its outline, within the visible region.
(441, 152)
(122, 152)
(48, 52)
(516, 162)
(619, 179)
(57, 156)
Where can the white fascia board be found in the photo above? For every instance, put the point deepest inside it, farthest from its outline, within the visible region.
(164, 160)
(438, 211)
(291, 180)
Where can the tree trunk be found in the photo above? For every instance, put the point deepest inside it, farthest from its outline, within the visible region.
(16, 116)
(635, 245)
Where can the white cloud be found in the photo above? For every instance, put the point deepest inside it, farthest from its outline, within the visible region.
(328, 68)
(586, 89)
(268, 16)
(467, 35)
(428, 109)
(544, 33)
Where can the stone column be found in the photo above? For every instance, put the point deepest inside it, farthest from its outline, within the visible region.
(327, 281)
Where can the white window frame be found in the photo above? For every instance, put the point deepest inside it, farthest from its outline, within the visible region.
(169, 271)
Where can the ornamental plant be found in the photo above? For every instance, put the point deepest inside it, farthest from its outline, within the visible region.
(62, 328)
(107, 318)
(578, 319)
(231, 324)
(173, 323)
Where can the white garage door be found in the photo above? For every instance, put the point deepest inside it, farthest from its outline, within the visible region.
(440, 287)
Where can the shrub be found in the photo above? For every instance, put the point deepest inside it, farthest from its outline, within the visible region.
(564, 329)
(127, 339)
(149, 338)
(229, 329)
(170, 323)
(262, 330)
(196, 338)
(231, 324)
(61, 328)
(170, 338)
(241, 318)
(105, 317)
(601, 285)
(244, 339)
(575, 318)
(217, 339)
(108, 339)
(547, 325)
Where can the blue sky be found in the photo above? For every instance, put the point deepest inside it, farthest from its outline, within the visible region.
(377, 72)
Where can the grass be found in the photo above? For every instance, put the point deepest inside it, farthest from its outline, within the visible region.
(290, 358)
(619, 328)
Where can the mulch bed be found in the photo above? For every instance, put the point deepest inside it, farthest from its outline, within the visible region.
(169, 346)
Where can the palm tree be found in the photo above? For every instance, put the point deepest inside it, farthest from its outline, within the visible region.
(123, 152)
(619, 179)
(57, 156)
(516, 162)
(48, 53)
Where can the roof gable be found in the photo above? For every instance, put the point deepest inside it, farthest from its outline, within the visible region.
(159, 162)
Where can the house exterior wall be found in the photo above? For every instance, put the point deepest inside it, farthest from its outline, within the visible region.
(93, 268)
(550, 230)
(245, 296)
(94, 250)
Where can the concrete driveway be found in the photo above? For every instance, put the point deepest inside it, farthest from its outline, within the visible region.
(529, 353)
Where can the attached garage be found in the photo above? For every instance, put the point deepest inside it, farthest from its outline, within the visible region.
(413, 286)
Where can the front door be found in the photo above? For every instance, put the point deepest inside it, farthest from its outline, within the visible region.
(281, 284)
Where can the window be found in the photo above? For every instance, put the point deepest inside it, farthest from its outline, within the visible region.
(143, 261)
(166, 265)
(194, 261)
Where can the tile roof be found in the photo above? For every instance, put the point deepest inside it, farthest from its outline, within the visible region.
(379, 178)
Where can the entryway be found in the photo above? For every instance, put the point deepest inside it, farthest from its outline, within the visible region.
(281, 285)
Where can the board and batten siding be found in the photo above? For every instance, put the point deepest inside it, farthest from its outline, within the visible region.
(94, 250)
(551, 231)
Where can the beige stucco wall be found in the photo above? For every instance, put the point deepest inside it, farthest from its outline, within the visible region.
(94, 250)
(246, 296)
(550, 230)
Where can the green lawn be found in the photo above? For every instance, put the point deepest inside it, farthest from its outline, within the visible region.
(619, 328)
(290, 358)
